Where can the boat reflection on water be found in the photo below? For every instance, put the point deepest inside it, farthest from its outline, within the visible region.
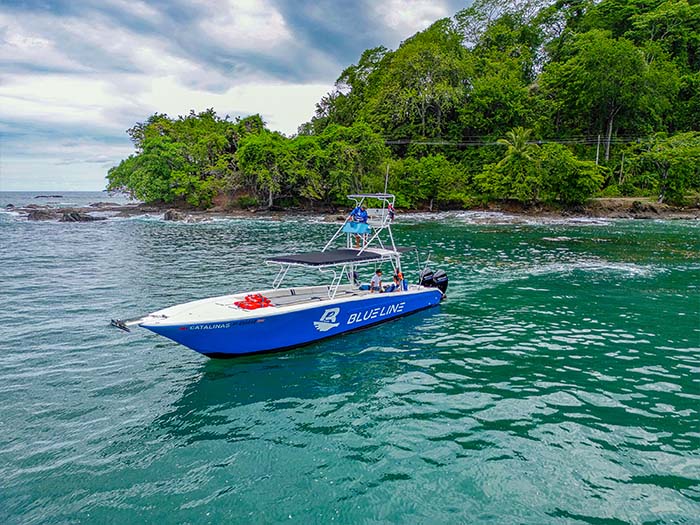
(237, 400)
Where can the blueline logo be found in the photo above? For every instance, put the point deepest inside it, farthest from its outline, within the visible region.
(328, 320)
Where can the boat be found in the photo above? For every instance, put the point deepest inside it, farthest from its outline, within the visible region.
(281, 318)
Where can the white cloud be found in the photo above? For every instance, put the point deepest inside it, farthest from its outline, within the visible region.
(283, 106)
(135, 8)
(98, 103)
(20, 44)
(246, 24)
(52, 163)
(57, 99)
(410, 16)
(156, 79)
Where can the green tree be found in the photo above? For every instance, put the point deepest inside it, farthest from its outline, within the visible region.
(569, 69)
(530, 174)
(675, 26)
(518, 145)
(516, 176)
(189, 159)
(309, 169)
(498, 99)
(566, 179)
(674, 162)
(355, 155)
(603, 83)
(427, 181)
(267, 158)
(148, 175)
(421, 84)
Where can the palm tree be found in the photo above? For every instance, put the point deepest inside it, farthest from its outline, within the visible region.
(521, 165)
(519, 147)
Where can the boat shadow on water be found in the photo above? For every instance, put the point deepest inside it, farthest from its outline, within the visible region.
(233, 394)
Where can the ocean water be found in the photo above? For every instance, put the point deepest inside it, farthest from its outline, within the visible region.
(61, 199)
(559, 383)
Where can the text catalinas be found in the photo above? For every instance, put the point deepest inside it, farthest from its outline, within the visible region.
(376, 313)
(210, 326)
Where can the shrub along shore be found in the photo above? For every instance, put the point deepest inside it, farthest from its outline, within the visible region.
(538, 104)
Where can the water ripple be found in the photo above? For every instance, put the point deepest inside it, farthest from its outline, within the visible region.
(557, 384)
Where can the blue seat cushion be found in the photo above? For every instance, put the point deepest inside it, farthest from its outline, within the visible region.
(356, 227)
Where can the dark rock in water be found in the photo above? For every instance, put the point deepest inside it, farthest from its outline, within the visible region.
(103, 204)
(10, 207)
(49, 197)
(41, 214)
(76, 216)
(173, 215)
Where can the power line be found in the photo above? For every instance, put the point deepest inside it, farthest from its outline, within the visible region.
(581, 139)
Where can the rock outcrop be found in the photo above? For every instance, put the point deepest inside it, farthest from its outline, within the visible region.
(76, 216)
(40, 214)
(173, 215)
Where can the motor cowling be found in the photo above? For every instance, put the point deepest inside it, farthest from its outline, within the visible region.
(441, 281)
(431, 279)
(426, 278)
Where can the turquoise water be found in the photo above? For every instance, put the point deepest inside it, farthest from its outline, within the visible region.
(559, 383)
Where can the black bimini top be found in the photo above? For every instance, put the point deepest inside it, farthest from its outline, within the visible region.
(327, 258)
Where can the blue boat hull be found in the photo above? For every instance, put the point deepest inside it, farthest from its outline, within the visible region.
(285, 330)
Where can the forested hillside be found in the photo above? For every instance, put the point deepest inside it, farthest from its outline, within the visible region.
(530, 101)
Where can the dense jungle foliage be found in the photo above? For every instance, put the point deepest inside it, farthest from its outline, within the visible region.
(531, 101)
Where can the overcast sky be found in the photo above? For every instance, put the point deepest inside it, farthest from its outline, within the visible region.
(75, 74)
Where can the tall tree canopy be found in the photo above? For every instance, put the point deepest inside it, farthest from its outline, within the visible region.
(528, 72)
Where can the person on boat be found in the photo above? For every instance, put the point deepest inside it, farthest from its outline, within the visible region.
(376, 282)
(392, 212)
(398, 280)
(359, 215)
(395, 286)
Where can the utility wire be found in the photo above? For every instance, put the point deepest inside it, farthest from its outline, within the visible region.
(584, 140)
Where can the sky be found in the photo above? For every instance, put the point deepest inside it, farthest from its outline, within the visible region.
(75, 74)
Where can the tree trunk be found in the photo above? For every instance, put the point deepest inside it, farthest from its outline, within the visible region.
(662, 184)
(609, 136)
(621, 179)
(269, 198)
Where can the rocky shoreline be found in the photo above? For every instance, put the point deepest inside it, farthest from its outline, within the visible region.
(611, 208)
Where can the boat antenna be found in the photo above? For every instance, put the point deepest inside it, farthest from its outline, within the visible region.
(386, 177)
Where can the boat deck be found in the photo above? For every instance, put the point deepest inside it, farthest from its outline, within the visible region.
(224, 308)
(308, 294)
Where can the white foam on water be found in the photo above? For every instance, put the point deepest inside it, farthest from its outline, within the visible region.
(10, 213)
(498, 217)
